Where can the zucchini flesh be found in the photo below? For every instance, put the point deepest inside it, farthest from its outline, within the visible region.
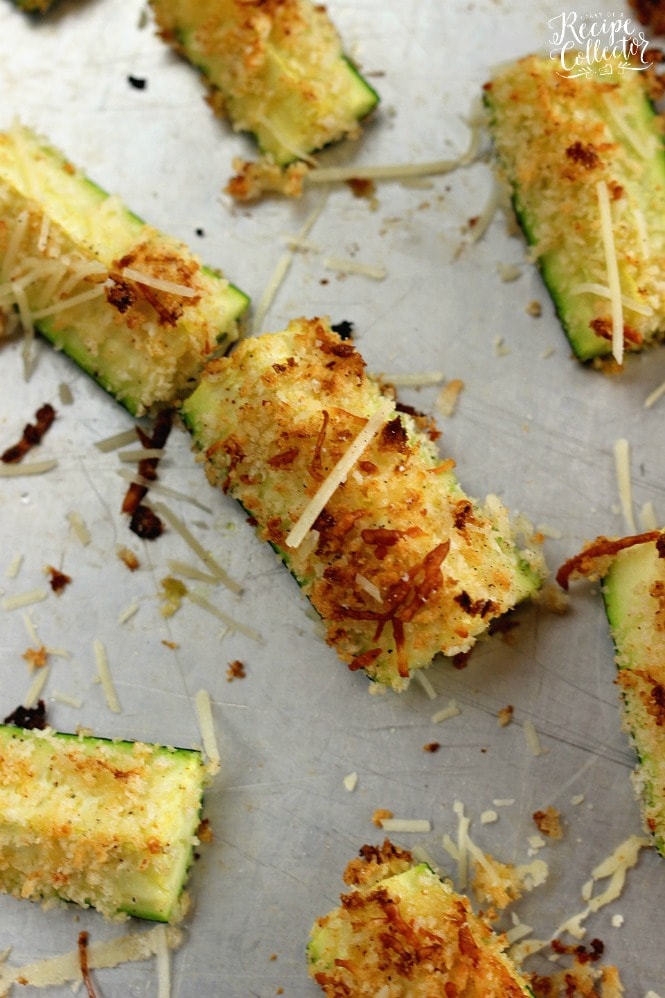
(63, 239)
(410, 934)
(276, 69)
(634, 599)
(556, 138)
(400, 564)
(105, 824)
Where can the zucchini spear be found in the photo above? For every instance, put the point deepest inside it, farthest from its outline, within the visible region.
(353, 495)
(276, 69)
(584, 161)
(106, 824)
(132, 306)
(633, 587)
(403, 931)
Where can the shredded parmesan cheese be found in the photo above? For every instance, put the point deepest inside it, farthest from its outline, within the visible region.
(451, 710)
(105, 677)
(29, 468)
(426, 684)
(406, 825)
(532, 739)
(196, 547)
(654, 396)
(622, 462)
(59, 970)
(36, 687)
(121, 439)
(79, 528)
(346, 266)
(329, 486)
(66, 699)
(158, 487)
(14, 566)
(163, 962)
(647, 517)
(612, 266)
(350, 782)
(230, 622)
(159, 283)
(24, 599)
(207, 728)
(369, 588)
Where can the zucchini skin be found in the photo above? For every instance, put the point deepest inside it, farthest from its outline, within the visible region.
(143, 345)
(104, 824)
(406, 932)
(400, 564)
(277, 70)
(555, 138)
(633, 592)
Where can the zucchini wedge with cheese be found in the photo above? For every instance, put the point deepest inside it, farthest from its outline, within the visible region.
(583, 158)
(105, 824)
(406, 932)
(632, 570)
(275, 68)
(133, 307)
(351, 492)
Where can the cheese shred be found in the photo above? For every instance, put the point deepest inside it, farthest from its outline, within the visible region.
(612, 266)
(337, 476)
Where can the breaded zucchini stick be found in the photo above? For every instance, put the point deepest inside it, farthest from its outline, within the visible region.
(397, 560)
(633, 587)
(132, 306)
(584, 161)
(402, 931)
(105, 824)
(275, 68)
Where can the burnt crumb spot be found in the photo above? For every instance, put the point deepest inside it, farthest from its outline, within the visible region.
(57, 579)
(393, 434)
(32, 718)
(344, 329)
(145, 523)
(584, 154)
(32, 435)
(138, 82)
(199, 232)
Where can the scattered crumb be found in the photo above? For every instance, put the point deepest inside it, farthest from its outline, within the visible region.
(489, 816)
(508, 271)
(36, 657)
(448, 397)
(127, 556)
(500, 348)
(170, 644)
(350, 781)
(204, 831)
(535, 309)
(505, 715)
(273, 956)
(548, 822)
(432, 747)
(617, 921)
(172, 594)
(380, 815)
(577, 799)
(65, 394)
(235, 670)
(57, 579)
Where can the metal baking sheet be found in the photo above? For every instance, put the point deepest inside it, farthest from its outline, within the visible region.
(531, 425)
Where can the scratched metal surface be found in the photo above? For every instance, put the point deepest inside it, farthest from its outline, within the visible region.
(531, 426)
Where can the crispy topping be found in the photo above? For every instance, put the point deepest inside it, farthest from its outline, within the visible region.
(28, 717)
(32, 435)
(83, 963)
(57, 579)
(548, 822)
(594, 559)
